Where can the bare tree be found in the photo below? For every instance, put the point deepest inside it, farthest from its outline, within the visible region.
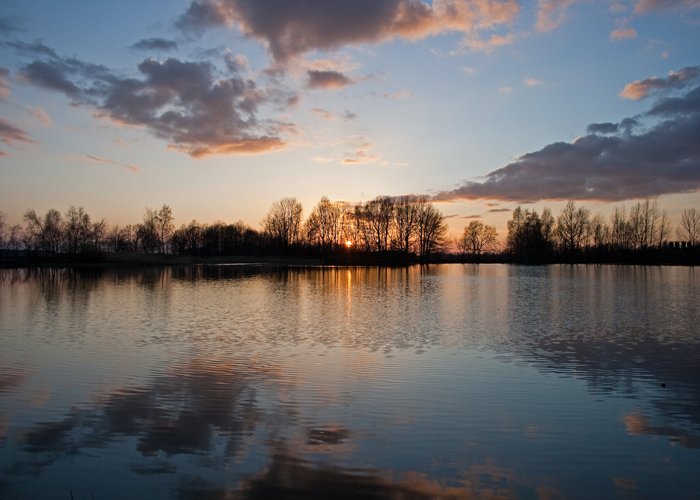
(76, 230)
(404, 223)
(324, 226)
(599, 231)
(644, 221)
(163, 223)
(431, 229)
(48, 230)
(282, 223)
(15, 237)
(3, 228)
(147, 233)
(572, 226)
(689, 228)
(476, 238)
(98, 232)
(664, 229)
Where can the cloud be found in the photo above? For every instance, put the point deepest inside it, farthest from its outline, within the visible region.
(322, 159)
(327, 115)
(602, 128)
(40, 115)
(4, 86)
(9, 24)
(468, 70)
(102, 160)
(497, 210)
(323, 114)
(328, 80)
(348, 116)
(475, 216)
(551, 13)
(185, 103)
(404, 94)
(620, 165)
(646, 6)
(155, 44)
(290, 28)
(638, 90)
(532, 82)
(505, 90)
(9, 133)
(621, 34)
(236, 64)
(617, 7)
(38, 48)
(487, 46)
(360, 154)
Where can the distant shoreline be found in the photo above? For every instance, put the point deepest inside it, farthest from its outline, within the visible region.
(108, 260)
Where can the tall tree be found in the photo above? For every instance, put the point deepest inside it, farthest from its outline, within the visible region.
(282, 224)
(689, 228)
(431, 228)
(572, 224)
(476, 238)
(164, 227)
(404, 223)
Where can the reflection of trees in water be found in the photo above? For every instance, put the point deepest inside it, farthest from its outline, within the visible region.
(595, 324)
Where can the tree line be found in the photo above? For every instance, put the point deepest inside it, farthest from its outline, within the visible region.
(641, 235)
(402, 228)
(401, 225)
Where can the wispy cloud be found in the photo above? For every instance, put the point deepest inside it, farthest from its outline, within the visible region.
(160, 44)
(621, 34)
(532, 82)
(487, 46)
(646, 6)
(40, 115)
(328, 80)
(11, 133)
(404, 94)
(4, 86)
(552, 13)
(102, 160)
(505, 90)
(321, 159)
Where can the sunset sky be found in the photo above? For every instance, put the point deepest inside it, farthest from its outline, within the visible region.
(219, 108)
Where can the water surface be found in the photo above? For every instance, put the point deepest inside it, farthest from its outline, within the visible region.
(450, 381)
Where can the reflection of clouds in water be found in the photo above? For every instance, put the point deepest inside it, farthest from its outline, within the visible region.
(638, 424)
(196, 409)
(287, 476)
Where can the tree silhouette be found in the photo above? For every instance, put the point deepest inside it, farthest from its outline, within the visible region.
(476, 238)
(282, 224)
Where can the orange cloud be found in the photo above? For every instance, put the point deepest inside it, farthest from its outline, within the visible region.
(488, 45)
(288, 31)
(646, 6)
(638, 90)
(623, 33)
(551, 13)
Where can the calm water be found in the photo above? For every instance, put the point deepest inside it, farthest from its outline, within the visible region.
(443, 381)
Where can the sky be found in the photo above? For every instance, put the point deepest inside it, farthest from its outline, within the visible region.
(218, 108)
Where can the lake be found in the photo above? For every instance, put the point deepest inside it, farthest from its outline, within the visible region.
(439, 381)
